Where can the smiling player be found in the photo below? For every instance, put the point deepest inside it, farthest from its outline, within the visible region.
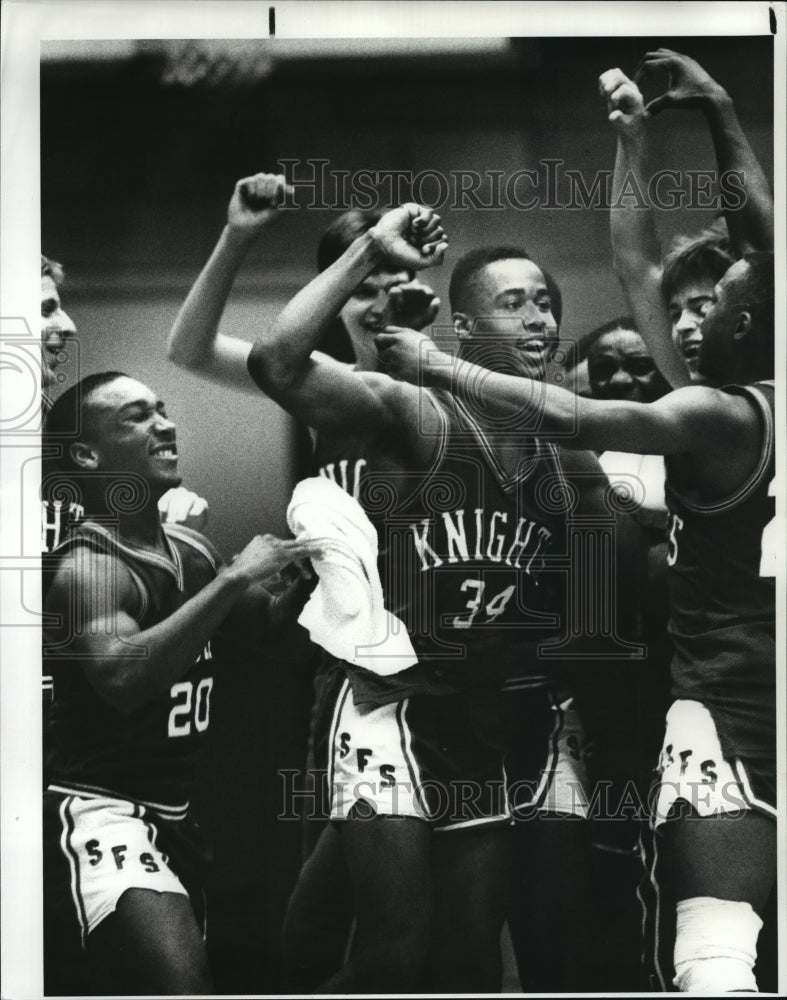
(132, 607)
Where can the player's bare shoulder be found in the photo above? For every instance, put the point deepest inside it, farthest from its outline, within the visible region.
(85, 580)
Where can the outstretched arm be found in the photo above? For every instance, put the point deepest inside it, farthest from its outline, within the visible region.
(750, 224)
(694, 420)
(129, 667)
(194, 342)
(635, 243)
(313, 387)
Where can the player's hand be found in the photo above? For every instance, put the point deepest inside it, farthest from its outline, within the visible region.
(688, 85)
(181, 506)
(407, 355)
(266, 556)
(411, 237)
(625, 106)
(255, 200)
(413, 305)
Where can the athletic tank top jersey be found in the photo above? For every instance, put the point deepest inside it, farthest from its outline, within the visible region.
(149, 755)
(59, 509)
(465, 552)
(721, 559)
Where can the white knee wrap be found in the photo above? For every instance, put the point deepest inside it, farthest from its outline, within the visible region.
(715, 946)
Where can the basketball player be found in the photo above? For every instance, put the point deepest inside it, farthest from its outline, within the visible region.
(750, 227)
(715, 807)
(350, 448)
(690, 271)
(133, 609)
(177, 506)
(56, 326)
(194, 340)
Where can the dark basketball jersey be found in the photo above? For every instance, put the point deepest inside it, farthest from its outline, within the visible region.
(464, 551)
(722, 605)
(149, 755)
(60, 507)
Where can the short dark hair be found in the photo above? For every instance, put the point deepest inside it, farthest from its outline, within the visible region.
(587, 342)
(69, 417)
(703, 257)
(342, 232)
(472, 263)
(755, 291)
(336, 239)
(52, 269)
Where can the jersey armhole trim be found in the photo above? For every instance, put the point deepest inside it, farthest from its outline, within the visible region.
(439, 453)
(187, 538)
(758, 474)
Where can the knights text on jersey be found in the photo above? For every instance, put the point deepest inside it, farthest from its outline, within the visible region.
(722, 606)
(465, 551)
(149, 755)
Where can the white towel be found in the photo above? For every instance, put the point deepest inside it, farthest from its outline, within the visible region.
(345, 613)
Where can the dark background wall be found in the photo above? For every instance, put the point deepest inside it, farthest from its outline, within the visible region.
(136, 175)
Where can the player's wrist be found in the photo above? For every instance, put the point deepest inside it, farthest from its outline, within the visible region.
(371, 248)
(717, 103)
(440, 370)
(235, 579)
(238, 238)
(632, 135)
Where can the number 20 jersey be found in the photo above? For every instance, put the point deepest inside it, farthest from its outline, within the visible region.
(464, 553)
(148, 755)
(722, 599)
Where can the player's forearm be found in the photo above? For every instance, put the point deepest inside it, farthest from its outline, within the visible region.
(527, 406)
(750, 225)
(635, 242)
(192, 340)
(280, 357)
(637, 261)
(133, 670)
(540, 409)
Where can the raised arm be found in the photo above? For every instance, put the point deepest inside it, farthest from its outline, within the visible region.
(750, 224)
(129, 667)
(635, 243)
(194, 342)
(314, 388)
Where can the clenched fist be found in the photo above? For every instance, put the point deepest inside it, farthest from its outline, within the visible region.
(411, 237)
(413, 305)
(409, 356)
(255, 200)
(625, 106)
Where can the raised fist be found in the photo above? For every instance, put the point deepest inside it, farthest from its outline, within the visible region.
(411, 237)
(625, 106)
(413, 305)
(255, 200)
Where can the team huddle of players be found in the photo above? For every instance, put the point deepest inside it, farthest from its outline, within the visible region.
(483, 482)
